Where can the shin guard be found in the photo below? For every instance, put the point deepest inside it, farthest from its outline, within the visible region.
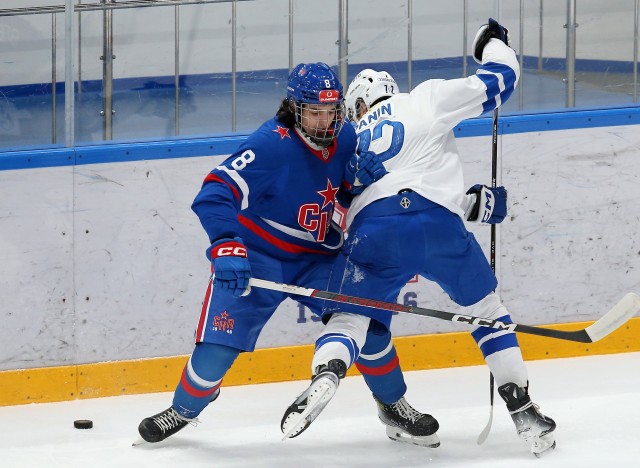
(379, 365)
(201, 378)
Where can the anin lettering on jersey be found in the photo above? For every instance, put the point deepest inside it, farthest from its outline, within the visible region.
(375, 115)
(223, 323)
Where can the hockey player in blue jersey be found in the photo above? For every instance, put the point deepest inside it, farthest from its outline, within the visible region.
(267, 211)
(411, 222)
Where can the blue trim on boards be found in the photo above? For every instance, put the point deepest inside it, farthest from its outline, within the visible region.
(52, 157)
(97, 154)
(565, 120)
(226, 144)
(120, 152)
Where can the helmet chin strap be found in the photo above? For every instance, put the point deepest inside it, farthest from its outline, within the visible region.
(314, 142)
(361, 109)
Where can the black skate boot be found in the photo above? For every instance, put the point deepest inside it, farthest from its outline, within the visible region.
(533, 427)
(162, 425)
(166, 423)
(406, 424)
(310, 403)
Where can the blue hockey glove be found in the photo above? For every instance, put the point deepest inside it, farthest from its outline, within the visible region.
(488, 31)
(371, 168)
(231, 267)
(365, 169)
(486, 205)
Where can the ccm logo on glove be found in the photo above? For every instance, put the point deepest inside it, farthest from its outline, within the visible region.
(486, 205)
(231, 267)
(229, 248)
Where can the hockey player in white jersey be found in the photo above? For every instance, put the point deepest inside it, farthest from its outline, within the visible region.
(411, 222)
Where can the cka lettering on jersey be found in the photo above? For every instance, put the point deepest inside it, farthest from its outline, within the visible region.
(314, 217)
(223, 323)
(374, 115)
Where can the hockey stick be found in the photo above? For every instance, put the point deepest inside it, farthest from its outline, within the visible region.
(492, 259)
(485, 432)
(626, 308)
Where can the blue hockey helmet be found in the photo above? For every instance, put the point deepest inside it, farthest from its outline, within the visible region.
(316, 87)
(314, 83)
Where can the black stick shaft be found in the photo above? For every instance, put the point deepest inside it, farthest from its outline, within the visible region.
(580, 336)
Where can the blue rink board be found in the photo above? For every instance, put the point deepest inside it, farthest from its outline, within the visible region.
(225, 144)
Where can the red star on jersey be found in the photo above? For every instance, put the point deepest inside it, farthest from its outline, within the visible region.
(283, 132)
(224, 314)
(329, 194)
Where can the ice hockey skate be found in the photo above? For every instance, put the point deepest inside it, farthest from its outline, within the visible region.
(406, 424)
(158, 427)
(533, 427)
(310, 403)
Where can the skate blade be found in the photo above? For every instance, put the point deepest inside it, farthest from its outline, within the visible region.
(397, 434)
(542, 454)
(543, 445)
(139, 441)
(319, 398)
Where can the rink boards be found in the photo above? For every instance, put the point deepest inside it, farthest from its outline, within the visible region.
(104, 268)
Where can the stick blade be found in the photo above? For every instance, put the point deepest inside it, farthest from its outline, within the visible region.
(628, 307)
(487, 429)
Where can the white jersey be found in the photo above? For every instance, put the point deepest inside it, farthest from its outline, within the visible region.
(413, 133)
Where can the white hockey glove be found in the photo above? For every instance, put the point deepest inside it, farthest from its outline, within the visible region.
(486, 205)
(486, 32)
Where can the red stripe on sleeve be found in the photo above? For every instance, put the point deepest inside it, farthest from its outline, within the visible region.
(215, 178)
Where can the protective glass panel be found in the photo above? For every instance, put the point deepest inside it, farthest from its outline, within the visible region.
(378, 36)
(31, 115)
(176, 72)
(262, 31)
(205, 88)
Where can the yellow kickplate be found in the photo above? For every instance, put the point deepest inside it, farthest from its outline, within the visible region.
(419, 352)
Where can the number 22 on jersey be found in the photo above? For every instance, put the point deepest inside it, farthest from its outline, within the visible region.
(394, 138)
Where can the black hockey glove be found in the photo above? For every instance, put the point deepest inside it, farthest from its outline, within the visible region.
(486, 32)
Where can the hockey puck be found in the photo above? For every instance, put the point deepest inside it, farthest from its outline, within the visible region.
(83, 423)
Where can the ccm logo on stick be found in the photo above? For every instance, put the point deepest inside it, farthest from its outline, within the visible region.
(484, 322)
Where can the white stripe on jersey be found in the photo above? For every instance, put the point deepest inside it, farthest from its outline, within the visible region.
(304, 235)
(244, 188)
(501, 84)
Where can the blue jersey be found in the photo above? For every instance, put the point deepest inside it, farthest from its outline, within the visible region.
(278, 193)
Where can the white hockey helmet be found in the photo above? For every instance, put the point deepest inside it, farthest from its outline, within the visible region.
(369, 86)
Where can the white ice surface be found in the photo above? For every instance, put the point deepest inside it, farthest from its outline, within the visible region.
(594, 400)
